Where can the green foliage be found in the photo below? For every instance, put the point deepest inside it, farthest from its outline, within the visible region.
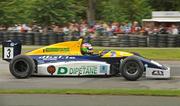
(144, 92)
(165, 5)
(45, 12)
(14, 12)
(120, 10)
(3, 12)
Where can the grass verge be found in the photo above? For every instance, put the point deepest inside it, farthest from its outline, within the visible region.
(151, 53)
(139, 92)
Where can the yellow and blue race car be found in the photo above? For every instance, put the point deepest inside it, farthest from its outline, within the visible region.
(67, 59)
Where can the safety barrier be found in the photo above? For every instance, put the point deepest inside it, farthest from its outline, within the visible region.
(158, 40)
(32, 38)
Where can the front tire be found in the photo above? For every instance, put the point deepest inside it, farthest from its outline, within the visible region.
(132, 68)
(22, 66)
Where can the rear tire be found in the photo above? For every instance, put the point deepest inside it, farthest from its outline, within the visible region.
(22, 66)
(132, 68)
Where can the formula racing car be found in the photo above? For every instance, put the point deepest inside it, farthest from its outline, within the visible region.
(68, 59)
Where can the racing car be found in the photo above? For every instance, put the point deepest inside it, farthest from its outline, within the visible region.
(67, 59)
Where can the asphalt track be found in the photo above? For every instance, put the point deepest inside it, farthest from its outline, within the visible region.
(86, 100)
(7, 81)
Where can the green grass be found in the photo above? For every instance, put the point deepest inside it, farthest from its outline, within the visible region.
(151, 53)
(157, 54)
(140, 92)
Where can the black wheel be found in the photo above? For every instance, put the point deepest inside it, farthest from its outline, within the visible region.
(132, 68)
(22, 66)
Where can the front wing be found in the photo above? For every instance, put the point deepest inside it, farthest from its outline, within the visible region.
(158, 73)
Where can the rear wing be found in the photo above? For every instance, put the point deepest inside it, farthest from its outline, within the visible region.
(10, 49)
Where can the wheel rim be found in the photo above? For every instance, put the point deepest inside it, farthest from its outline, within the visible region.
(131, 68)
(20, 66)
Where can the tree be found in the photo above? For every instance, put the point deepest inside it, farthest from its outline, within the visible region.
(165, 5)
(48, 12)
(14, 12)
(43, 12)
(91, 11)
(136, 10)
(3, 12)
(120, 10)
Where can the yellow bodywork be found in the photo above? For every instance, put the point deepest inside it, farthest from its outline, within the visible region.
(64, 48)
(115, 53)
(72, 48)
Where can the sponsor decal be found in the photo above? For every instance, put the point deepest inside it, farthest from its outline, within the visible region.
(56, 57)
(8, 53)
(62, 70)
(56, 50)
(51, 69)
(81, 70)
(103, 69)
(157, 72)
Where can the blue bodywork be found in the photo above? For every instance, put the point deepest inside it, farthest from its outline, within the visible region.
(42, 59)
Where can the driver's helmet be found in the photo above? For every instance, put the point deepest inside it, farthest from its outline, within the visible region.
(87, 49)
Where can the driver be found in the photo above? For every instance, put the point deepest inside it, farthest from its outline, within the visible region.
(87, 49)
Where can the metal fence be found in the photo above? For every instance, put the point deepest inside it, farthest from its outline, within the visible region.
(159, 40)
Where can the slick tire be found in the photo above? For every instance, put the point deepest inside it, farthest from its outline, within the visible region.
(132, 68)
(22, 66)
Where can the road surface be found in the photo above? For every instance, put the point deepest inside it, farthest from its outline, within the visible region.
(85, 100)
(7, 81)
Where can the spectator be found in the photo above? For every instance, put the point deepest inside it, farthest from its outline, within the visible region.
(135, 27)
(162, 30)
(127, 28)
(155, 30)
(83, 29)
(174, 30)
(66, 30)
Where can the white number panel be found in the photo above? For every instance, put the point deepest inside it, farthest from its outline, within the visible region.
(8, 52)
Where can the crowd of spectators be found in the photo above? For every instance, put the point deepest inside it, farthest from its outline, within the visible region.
(162, 29)
(99, 28)
(81, 29)
(21, 28)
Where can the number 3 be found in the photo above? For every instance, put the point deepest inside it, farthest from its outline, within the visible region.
(8, 53)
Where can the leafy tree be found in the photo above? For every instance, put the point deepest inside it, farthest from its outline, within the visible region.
(136, 10)
(91, 10)
(109, 11)
(120, 10)
(13, 12)
(3, 12)
(44, 12)
(165, 5)
(48, 12)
